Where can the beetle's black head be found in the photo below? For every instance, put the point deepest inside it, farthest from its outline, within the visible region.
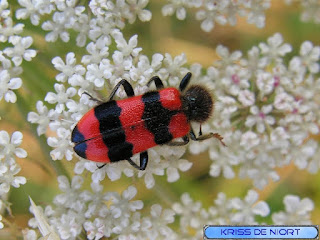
(197, 103)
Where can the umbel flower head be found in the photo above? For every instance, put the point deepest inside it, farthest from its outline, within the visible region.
(9, 150)
(221, 12)
(9, 168)
(266, 108)
(110, 214)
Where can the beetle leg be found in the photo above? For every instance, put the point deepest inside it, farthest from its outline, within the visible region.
(207, 136)
(185, 141)
(127, 88)
(200, 131)
(157, 81)
(143, 161)
(99, 167)
(133, 163)
(185, 81)
(93, 98)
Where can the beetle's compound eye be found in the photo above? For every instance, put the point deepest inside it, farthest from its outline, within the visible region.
(197, 103)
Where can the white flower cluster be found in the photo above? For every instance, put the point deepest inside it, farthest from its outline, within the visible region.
(221, 12)
(108, 214)
(119, 10)
(296, 211)
(236, 211)
(311, 10)
(267, 110)
(12, 57)
(69, 16)
(104, 214)
(224, 211)
(9, 168)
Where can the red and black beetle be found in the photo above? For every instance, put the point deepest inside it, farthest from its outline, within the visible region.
(115, 130)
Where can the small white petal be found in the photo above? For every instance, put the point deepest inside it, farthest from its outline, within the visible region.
(10, 97)
(113, 173)
(207, 25)
(51, 98)
(184, 165)
(20, 153)
(18, 181)
(228, 172)
(136, 205)
(16, 138)
(215, 170)
(181, 13)
(173, 174)
(168, 10)
(15, 83)
(149, 181)
(145, 15)
(29, 54)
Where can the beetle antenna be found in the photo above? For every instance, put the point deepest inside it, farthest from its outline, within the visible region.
(185, 81)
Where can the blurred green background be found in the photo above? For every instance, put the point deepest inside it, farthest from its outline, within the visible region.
(161, 34)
